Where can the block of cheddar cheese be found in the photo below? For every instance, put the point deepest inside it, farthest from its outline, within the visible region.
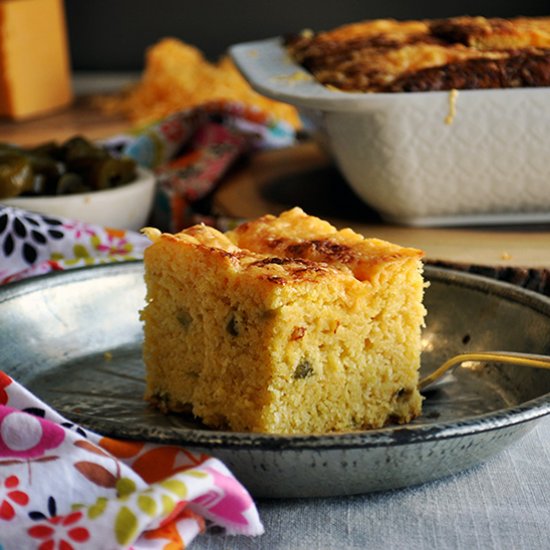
(34, 59)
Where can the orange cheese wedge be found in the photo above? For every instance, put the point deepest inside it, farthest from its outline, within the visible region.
(34, 59)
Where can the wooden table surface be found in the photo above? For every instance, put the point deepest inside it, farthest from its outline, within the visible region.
(272, 181)
(80, 118)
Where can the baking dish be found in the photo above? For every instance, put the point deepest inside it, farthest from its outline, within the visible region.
(469, 157)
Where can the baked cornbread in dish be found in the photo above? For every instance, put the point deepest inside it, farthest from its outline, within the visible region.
(283, 325)
(460, 53)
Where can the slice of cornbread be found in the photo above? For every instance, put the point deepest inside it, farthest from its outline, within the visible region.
(284, 325)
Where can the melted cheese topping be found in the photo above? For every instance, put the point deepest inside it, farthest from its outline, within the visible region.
(373, 56)
(453, 95)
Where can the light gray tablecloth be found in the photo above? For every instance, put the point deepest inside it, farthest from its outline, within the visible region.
(502, 504)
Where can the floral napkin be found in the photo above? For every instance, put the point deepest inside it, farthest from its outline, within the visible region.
(63, 487)
(33, 244)
(193, 150)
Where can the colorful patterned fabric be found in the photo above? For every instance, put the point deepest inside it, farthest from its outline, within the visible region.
(192, 150)
(33, 244)
(63, 487)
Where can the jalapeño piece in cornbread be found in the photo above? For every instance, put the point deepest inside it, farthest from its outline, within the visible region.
(284, 325)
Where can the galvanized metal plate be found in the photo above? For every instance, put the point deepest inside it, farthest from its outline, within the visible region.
(74, 339)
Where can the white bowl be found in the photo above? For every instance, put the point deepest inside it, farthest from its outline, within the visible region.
(124, 207)
(408, 156)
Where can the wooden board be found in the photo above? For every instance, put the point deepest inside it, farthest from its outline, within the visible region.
(303, 176)
(80, 118)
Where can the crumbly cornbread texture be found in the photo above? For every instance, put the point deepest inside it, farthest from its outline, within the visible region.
(283, 325)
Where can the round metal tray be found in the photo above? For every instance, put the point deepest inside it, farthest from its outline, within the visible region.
(74, 339)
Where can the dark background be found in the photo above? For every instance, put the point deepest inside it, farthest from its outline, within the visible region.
(112, 35)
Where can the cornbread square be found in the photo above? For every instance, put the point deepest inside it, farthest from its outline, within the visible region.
(283, 325)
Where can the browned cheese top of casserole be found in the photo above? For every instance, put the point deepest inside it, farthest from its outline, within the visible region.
(386, 55)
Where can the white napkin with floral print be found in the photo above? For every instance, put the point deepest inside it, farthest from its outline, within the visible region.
(63, 487)
(34, 244)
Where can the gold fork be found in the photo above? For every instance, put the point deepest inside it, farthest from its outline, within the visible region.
(511, 357)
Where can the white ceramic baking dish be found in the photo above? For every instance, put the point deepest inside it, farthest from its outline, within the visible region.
(423, 158)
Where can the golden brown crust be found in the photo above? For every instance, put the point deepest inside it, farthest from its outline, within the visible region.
(296, 235)
(494, 33)
(517, 71)
(291, 248)
(444, 54)
(218, 249)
